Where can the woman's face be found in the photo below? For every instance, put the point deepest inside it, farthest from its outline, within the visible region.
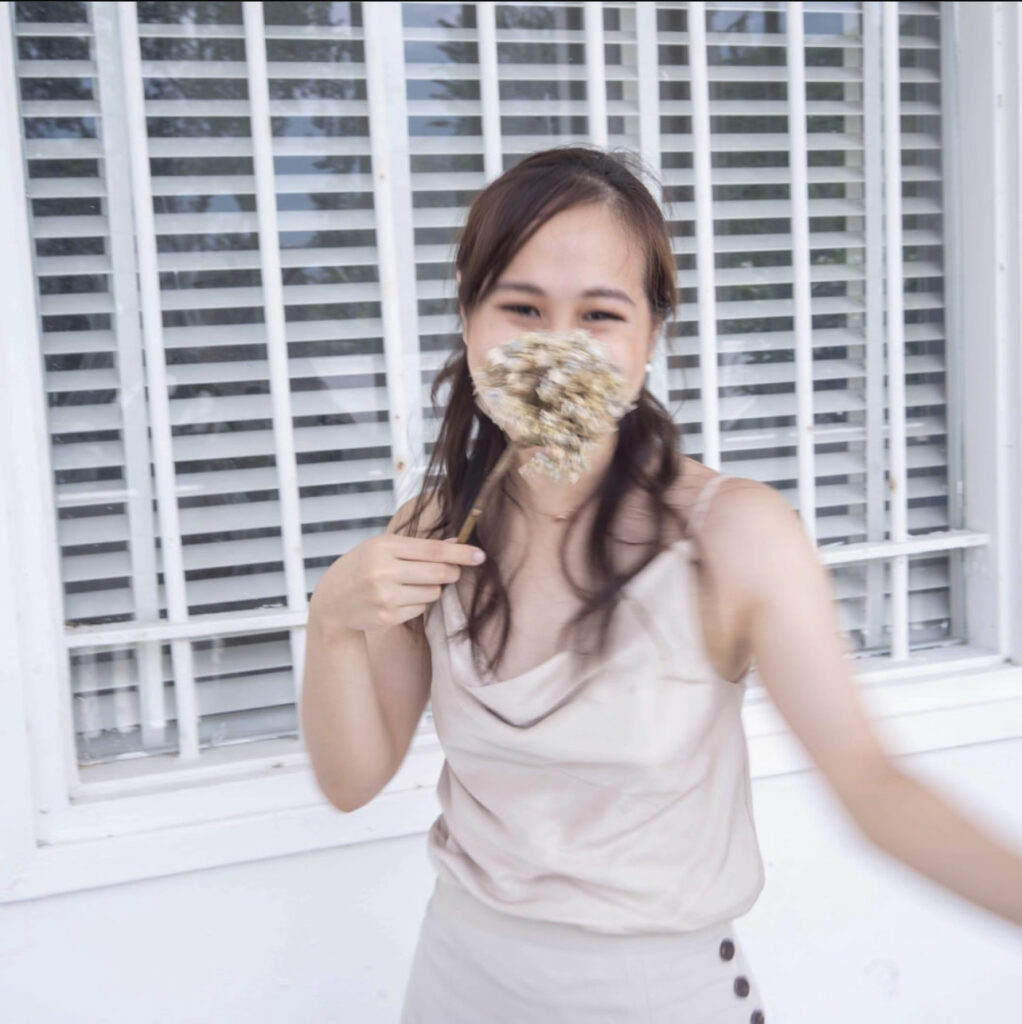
(581, 269)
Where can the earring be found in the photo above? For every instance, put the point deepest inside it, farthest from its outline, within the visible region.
(649, 367)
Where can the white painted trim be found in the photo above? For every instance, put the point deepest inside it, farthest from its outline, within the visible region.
(706, 298)
(489, 90)
(989, 228)
(171, 553)
(274, 815)
(17, 294)
(875, 613)
(17, 806)
(198, 626)
(1013, 372)
(798, 163)
(897, 480)
(954, 344)
(647, 57)
(36, 706)
(131, 371)
(395, 240)
(914, 544)
(596, 73)
(276, 331)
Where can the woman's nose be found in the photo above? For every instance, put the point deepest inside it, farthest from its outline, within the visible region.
(564, 321)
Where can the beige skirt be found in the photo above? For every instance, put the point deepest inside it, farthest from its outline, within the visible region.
(474, 964)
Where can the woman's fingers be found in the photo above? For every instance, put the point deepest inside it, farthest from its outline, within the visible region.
(449, 550)
(406, 594)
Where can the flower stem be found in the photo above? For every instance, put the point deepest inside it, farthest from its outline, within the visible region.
(501, 467)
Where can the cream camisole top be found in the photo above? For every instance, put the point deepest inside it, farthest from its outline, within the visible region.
(612, 794)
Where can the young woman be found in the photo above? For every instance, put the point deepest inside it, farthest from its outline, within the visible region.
(587, 670)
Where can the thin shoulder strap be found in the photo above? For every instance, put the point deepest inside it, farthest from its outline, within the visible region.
(702, 502)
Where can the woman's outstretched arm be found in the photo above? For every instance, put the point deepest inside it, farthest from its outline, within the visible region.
(919, 827)
(792, 628)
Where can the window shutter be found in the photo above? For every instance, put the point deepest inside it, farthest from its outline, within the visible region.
(749, 133)
(544, 99)
(485, 85)
(95, 392)
(211, 299)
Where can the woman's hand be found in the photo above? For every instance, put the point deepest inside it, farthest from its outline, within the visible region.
(386, 580)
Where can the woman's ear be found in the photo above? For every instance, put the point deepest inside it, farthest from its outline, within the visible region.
(654, 335)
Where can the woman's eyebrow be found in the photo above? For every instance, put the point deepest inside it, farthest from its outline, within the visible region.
(589, 293)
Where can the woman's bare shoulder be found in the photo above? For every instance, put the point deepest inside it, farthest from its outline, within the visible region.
(693, 477)
(741, 501)
(744, 520)
(736, 494)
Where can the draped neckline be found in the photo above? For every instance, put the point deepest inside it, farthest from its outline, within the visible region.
(683, 544)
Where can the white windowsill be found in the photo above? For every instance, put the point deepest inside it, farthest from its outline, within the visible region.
(963, 697)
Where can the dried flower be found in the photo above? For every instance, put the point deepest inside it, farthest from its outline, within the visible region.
(558, 390)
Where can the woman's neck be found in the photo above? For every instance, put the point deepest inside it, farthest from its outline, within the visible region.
(543, 499)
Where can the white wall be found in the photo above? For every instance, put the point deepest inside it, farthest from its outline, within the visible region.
(841, 933)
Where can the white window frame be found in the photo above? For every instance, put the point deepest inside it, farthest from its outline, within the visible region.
(259, 800)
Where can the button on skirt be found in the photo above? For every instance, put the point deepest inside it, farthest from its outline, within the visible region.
(473, 963)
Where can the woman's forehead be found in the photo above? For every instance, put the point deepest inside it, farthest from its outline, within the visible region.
(582, 248)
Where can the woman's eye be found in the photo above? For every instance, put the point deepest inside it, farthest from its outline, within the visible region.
(528, 311)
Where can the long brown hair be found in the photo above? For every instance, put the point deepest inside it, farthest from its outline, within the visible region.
(502, 218)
